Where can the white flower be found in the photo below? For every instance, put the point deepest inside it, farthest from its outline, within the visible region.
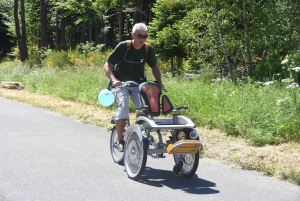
(284, 61)
(268, 83)
(279, 101)
(293, 85)
(297, 69)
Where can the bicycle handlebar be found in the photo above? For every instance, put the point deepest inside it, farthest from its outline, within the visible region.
(134, 84)
(129, 83)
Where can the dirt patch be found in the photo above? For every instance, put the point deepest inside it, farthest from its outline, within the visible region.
(282, 161)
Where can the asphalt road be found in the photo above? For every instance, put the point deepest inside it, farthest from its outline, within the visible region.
(45, 156)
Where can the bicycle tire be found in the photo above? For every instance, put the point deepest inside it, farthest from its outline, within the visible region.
(117, 156)
(190, 161)
(135, 152)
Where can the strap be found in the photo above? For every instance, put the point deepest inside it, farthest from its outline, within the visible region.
(128, 44)
(146, 46)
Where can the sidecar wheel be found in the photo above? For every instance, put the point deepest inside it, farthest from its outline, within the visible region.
(190, 163)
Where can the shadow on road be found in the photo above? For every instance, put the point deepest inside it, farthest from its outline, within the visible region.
(193, 184)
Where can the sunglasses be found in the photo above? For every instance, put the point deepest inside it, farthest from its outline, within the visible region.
(140, 36)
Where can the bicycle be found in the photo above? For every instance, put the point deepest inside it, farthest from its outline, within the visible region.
(118, 156)
(183, 143)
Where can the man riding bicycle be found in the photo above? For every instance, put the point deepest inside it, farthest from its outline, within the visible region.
(121, 67)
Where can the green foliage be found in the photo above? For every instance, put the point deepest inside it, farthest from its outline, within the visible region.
(89, 47)
(264, 113)
(199, 42)
(164, 36)
(32, 21)
(58, 59)
(7, 40)
(36, 56)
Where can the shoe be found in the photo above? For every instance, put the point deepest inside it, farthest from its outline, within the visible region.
(119, 145)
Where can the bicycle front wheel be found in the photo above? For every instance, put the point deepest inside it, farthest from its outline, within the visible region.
(135, 152)
(117, 155)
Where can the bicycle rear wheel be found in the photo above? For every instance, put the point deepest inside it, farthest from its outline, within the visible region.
(117, 156)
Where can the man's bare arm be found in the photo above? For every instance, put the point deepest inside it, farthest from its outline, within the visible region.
(157, 76)
(109, 73)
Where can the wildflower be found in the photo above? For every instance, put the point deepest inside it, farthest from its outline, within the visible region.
(268, 83)
(288, 80)
(49, 63)
(293, 85)
(284, 61)
(279, 101)
(297, 69)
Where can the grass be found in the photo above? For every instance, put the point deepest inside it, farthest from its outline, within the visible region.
(292, 176)
(263, 114)
(248, 110)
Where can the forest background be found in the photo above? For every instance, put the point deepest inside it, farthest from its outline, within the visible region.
(243, 56)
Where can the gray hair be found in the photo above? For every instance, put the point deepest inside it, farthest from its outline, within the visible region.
(139, 26)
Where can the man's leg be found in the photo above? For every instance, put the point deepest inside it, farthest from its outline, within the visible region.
(138, 102)
(120, 124)
(121, 97)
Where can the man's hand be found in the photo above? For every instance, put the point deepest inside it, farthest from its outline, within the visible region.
(161, 85)
(116, 83)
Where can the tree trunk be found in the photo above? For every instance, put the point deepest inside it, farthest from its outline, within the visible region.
(18, 33)
(222, 42)
(20, 37)
(247, 40)
(172, 67)
(121, 22)
(150, 11)
(43, 22)
(91, 31)
(24, 35)
(137, 12)
(104, 31)
(63, 29)
(83, 33)
(97, 34)
(58, 29)
(72, 34)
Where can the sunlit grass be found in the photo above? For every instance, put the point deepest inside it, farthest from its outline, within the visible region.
(264, 114)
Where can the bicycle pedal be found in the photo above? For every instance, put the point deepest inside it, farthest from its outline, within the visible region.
(113, 120)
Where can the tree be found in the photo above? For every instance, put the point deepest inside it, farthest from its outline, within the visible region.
(164, 35)
(21, 37)
(60, 29)
(7, 40)
(43, 24)
(228, 65)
